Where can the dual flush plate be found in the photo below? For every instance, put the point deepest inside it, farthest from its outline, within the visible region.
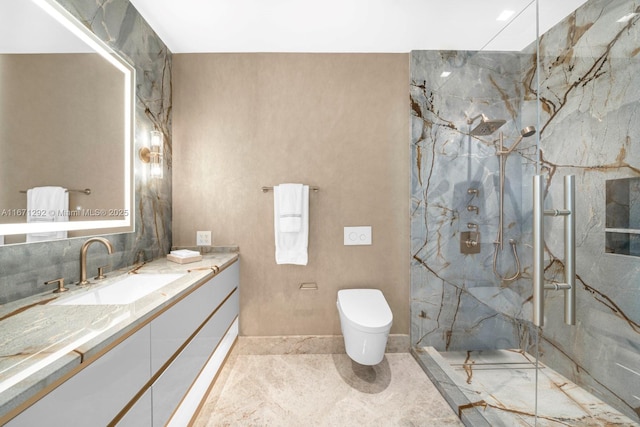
(357, 235)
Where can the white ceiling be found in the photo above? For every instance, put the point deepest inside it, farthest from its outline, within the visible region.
(26, 28)
(348, 25)
(305, 25)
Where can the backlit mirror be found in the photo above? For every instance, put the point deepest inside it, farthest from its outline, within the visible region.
(66, 127)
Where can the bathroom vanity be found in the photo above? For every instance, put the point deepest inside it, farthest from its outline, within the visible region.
(85, 358)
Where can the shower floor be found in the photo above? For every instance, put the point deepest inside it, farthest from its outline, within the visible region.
(497, 388)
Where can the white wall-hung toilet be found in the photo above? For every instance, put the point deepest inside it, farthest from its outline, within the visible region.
(365, 320)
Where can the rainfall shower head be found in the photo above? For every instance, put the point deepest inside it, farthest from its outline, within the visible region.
(486, 125)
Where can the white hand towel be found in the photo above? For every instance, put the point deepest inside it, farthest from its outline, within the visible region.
(289, 207)
(47, 204)
(291, 246)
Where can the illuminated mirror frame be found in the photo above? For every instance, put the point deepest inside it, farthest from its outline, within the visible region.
(72, 24)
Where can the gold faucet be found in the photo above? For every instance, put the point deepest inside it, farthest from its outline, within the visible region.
(83, 256)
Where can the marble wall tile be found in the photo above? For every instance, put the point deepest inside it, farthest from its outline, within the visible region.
(25, 267)
(457, 301)
(589, 127)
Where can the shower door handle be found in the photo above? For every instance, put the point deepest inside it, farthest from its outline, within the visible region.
(538, 250)
(569, 287)
(570, 250)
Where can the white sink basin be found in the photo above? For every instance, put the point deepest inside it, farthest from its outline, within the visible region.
(123, 291)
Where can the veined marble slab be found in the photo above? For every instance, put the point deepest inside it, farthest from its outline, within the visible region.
(501, 384)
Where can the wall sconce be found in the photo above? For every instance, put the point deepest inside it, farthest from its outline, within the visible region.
(153, 155)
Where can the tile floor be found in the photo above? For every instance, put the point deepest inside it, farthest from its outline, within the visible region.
(323, 390)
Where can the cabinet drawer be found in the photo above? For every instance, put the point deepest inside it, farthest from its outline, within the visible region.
(171, 329)
(140, 414)
(173, 384)
(95, 395)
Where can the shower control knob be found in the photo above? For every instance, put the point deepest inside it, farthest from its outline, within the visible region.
(470, 242)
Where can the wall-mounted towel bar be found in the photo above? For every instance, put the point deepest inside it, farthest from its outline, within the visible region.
(266, 189)
(86, 191)
(569, 214)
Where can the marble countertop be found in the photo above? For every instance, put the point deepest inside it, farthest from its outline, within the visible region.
(42, 342)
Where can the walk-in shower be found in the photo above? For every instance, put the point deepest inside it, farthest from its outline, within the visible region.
(516, 352)
(490, 377)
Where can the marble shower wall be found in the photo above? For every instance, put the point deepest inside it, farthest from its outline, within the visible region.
(457, 301)
(24, 267)
(589, 126)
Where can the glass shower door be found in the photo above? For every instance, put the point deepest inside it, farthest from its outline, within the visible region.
(474, 130)
(474, 156)
(589, 89)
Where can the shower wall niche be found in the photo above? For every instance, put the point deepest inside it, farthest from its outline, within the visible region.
(622, 232)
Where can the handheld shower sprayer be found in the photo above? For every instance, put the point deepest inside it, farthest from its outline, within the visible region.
(502, 153)
(524, 133)
(484, 128)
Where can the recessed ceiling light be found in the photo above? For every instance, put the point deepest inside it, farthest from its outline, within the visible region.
(505, 15)
(627, 17)
(445, 74)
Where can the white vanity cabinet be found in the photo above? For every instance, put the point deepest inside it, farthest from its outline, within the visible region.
(173, 328)
(95, 395)
(171, 387)
(163, 369)
(193, 327)
(185, 340)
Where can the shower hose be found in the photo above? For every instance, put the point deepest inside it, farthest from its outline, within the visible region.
(515, 255)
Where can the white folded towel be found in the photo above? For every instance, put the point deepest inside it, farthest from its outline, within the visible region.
(47, 204)
(184, 253)
(289, 207)
(291, 223)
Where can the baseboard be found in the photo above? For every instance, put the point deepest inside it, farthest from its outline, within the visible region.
(309, 344)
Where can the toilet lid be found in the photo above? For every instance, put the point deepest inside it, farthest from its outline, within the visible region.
(365, 307)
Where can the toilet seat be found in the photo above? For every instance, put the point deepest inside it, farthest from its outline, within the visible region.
(366, 309)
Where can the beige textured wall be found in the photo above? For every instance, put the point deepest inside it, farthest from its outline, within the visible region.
(338, 121)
